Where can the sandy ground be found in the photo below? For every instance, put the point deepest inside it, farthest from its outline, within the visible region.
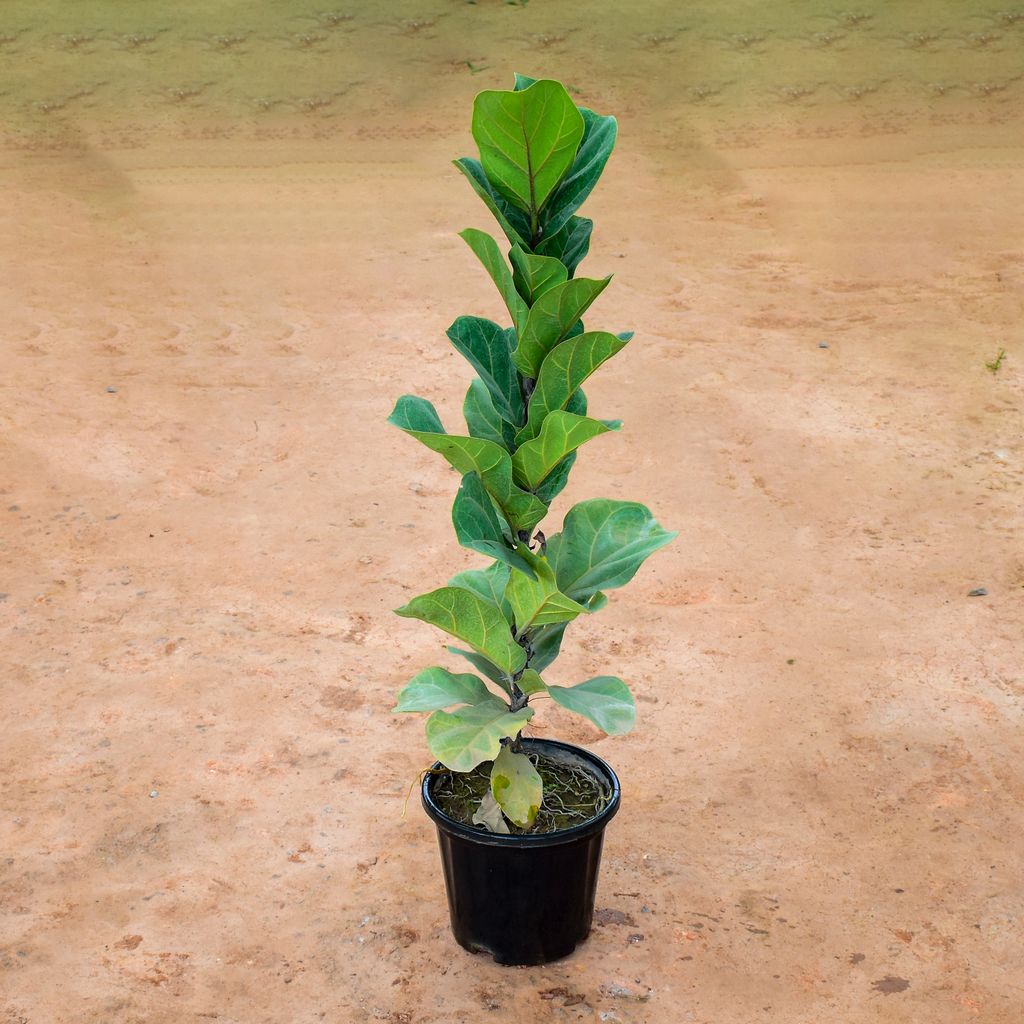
(205, 523)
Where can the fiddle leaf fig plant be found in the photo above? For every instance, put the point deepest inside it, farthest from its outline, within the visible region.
(526, 420)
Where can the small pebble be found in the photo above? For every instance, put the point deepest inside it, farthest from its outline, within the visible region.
(111, 391)
(153, 793)
(978, 592)
(822, 344)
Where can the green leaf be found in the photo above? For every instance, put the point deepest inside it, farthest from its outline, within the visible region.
(462, 739)
(488, 348)
(538, 602)
(493, 463)
(534, 275)
(436, 688)
(489, 815)
(477, 526)
(570, 245)
(480, 663)
(596, 146)
(602, 544)
(487, 251)
(546, 643)
(517, 787)
(471, 618)
(577, 403)
(598, 142)
(559, 476)
(564, 369)
(605, 700)
(530, 682)
(556, 480)
(412, 413)
(483, 420)
(551, 319)
(489, 583)
(510, 220)
(528, 141)
(560, 434)
(597, 602)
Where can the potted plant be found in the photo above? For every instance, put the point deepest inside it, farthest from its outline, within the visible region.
(520, 821)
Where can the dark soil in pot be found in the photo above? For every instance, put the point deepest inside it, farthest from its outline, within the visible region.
(573, 792)
(525, 898)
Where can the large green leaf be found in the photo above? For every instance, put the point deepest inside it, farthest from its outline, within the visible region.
(552, 317)
(477, 526)
(530, 682)
(570, 245)
(528, 141)
(489, 583)
(510, 220)
(564, 369)
(462, 739)
(605, 700)
(415, 414)
(483, 420)
(516, 786)
(534, 275)
(595, 147)
(602, 544)
(538, 602)
(436, 688)
(556, 480)
(488, 348)
(482, 665)
(418, 418)
(560, 433)
(546, 643)
(488, 253)
(598, 141)
(471, 618)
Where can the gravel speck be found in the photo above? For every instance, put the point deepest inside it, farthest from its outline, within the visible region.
(822, 344)
(153, 794)
(978, 592)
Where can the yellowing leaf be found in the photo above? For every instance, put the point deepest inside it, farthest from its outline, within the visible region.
(516, 786)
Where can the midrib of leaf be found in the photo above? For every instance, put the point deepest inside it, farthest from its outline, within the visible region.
(590, 554)
(533, 186)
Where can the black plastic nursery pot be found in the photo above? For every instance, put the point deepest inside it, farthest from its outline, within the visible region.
(523, 899)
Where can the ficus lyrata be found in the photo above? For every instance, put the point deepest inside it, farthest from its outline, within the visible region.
(526, 417)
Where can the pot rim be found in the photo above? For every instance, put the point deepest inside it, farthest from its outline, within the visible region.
(568, 835)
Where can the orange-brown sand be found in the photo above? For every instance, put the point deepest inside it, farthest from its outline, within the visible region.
(209, 307)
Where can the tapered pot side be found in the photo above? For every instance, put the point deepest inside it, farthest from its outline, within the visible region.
(523, 899)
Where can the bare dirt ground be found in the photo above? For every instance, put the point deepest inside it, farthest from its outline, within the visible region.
(206, 522)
